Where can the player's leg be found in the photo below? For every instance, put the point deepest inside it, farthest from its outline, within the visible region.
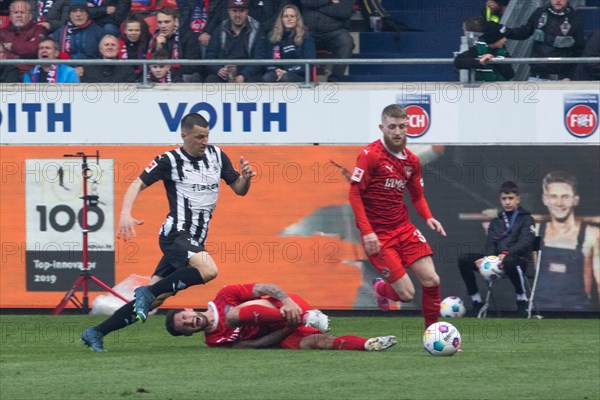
(318, 341)
(395, 285)
(424, 271)
(126, 315)
(189, 271)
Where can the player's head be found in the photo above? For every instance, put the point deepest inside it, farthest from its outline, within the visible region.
(560, 194)
(509, 196)
(185, 322)
(394, 124)
(194, 132)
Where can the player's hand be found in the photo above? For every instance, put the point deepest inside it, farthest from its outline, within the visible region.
(127, 227)
(435, 225)
(246, 169)
(371, 244)
(291, 311)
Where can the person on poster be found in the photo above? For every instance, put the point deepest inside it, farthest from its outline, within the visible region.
(569, 272)
(393, 244)
(191, 175)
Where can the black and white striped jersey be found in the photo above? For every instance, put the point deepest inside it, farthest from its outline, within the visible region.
(192, 186)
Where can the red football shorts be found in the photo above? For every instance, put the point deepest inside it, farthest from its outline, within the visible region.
(399, 249)
(292, 341)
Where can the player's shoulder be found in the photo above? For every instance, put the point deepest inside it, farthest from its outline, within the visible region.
(592, 232)
(372, 149)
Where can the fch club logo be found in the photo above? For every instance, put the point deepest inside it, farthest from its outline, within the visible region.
(418, 108)
(581, 114)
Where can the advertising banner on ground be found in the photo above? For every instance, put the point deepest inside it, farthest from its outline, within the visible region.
(295, 227)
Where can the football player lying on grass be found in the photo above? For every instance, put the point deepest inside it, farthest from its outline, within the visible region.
(241, 316)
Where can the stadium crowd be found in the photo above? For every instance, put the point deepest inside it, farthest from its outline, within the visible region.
(261, 30)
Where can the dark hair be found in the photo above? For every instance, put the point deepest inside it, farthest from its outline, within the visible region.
(171, 11)
(169, 324)
(475, 23)
(49, 39)
(509, 187)
(189, 121)
(394, 111)
(160, 54)
(560, 177)
(145, 31)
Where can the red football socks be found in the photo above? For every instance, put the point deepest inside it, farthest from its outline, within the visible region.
(386, 290)
(257, 314)
(349, 342)
(430, 304)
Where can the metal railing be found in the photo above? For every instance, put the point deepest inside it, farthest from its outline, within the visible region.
(308, 63)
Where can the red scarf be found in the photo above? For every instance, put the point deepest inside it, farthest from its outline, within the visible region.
(199, 15)
(174, 50)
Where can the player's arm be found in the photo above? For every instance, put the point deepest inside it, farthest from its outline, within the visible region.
(126, 221)
(358, 182)
(242, 184)
(289, 309)
(269, 340)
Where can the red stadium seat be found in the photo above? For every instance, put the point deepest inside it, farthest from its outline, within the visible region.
(168, 3)
(143, 5)
(4, 21)
(152, 24)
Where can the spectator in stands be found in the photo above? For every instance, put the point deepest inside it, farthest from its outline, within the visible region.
(237, 37)
(158, 73)
(40, 11)
(109, 14)
(134, 41)
(328, 22)
(494, 9)
(48, 50)
(80, 36)
(8, 73)
(266, 11)
(474, 24)
(23, 35)
(590, 72)
(109, 49)
(488, 47)
(177, 43)
(289, 40)
(557, 31)
(201, 17)
(57, 15)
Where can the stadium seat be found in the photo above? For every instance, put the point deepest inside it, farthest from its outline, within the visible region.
(490, 299)
(4, 21)
(152, 24)
(143, 5)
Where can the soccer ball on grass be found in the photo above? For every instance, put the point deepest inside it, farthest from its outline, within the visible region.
(441, 339)
(452, 307)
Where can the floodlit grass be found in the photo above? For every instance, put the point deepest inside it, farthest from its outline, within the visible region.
(41, 358)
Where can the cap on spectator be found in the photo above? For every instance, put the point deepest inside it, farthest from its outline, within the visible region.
(78, 5)
(238, 3)
(493, 32)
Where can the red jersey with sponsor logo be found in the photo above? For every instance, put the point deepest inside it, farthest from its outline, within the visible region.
(381, 177)
(222, 334)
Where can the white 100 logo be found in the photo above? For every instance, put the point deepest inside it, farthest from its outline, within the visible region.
(62, 218)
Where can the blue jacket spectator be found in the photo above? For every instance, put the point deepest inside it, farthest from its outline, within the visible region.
(80, 36)
(289, 40)
(48, 50)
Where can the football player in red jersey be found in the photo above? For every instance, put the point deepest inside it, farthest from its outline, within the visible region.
(393, 244)
(241, 317)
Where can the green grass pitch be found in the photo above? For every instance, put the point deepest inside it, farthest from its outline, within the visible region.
(41, 357)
